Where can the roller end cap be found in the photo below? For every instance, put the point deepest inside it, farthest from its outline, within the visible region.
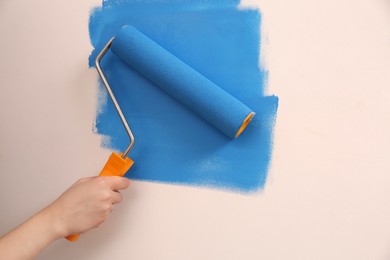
(245, 123)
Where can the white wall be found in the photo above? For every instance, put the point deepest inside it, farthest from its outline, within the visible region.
(328, 191)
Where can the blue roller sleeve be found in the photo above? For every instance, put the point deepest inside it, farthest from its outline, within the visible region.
(179, 80)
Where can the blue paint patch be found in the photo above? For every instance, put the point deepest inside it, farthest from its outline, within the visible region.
(173, 145)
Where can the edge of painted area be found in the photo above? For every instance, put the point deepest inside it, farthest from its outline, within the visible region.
(173, 146)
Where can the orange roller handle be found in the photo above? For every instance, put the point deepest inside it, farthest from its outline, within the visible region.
(115, 166)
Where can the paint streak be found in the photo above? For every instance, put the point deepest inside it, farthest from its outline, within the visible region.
(173, 145)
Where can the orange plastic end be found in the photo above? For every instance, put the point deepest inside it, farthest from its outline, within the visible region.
(73, 238)
(247, 120)
(115, 166)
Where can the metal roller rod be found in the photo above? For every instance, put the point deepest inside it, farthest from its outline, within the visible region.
(112, 96)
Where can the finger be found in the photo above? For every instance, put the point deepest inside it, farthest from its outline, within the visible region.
(116, 197)
(117, 183)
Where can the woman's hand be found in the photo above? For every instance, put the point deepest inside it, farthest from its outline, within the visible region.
(85, 205)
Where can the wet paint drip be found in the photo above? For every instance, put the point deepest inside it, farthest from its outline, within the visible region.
(173, 145)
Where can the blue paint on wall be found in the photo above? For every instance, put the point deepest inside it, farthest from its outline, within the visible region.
(173, 145)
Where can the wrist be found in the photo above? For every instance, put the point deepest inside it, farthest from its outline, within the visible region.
(52, 220)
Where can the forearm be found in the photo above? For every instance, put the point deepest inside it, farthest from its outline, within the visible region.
(31, 237)
(85, 205)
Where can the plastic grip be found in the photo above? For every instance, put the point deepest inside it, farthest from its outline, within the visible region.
(115, 166)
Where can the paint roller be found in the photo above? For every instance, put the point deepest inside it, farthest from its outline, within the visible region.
(176, 78)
